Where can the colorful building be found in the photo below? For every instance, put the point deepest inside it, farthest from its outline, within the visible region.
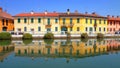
(75, 23)
(6, 21)
(113, 24)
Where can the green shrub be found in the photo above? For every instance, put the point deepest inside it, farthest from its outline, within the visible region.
(68, 34)
(27, 36)
(49, 36)
(100, 35)
(5, 36)
(84, 35)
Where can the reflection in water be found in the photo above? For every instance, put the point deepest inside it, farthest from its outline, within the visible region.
(67, 48)
(74, 48)
(5, 42)
(5, 49)
(26, 42)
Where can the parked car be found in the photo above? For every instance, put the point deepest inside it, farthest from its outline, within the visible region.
(117, 32)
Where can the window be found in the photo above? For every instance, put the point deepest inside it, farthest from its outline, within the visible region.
(110, 23)
(91, 29)
(95, 21)
(48, 21)
(70, 28)
(25, 20)
(100, 21)
(3, 21)
(70, 20)
(86, 29)
(19, 29)
(86, 20)
(114, 22)
(48, 29)
(114, 29)
(39, 20)
(6, 22)
(104, 21)
(18, 20)
(78, 20)
(99, 29)
(95, 28)
(119, 23)
(78, 29)
(63, 20)
(56, 28)
(56, 20)
(25, 28)
(104, 29)
(90, 21)
(39, 28)
(32, 20)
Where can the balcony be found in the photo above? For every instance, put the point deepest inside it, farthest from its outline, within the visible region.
(67, 25)
(95, 25)
(48, 26)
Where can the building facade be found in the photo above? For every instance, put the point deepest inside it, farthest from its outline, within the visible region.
(6, 21)
(60, 23)
(113, 24)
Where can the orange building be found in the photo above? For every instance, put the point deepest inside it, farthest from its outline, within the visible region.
(6, 21)
(113, 24)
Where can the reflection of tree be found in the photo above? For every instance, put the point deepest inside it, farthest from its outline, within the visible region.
(48, 41)
(95, 47)
(84, 39)
(26, 42)
(100, 39)
(5, 42)
(68, 42)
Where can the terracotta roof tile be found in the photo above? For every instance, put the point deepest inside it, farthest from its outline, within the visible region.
(5, 15)
(52, 14)
(36, 14)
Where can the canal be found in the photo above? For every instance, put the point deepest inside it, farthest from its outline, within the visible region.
(60, 53)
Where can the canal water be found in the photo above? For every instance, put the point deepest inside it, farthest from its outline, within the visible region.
(60, 53)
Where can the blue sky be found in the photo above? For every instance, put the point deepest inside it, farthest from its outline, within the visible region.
(102, 7)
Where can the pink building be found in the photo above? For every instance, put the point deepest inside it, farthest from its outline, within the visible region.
(113, 24)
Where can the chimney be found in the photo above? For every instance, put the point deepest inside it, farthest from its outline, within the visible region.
(1, 9)
(93, 13)
(86, 12)
(54, 11)
(46, 12)
(76, 11)
(108, 15)
(68, 11)
(117, 16)
(32, 12)
(112, 16)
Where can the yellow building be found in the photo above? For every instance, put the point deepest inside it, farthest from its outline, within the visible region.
(57, 23)
(83, 23)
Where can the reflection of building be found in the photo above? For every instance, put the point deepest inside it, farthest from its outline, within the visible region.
(113, 45)
(5, 51)
(62, 48)
(6, 21)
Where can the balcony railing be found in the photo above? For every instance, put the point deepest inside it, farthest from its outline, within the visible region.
(67, 25)
(48, 26)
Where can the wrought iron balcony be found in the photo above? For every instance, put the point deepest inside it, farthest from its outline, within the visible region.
(48, 26)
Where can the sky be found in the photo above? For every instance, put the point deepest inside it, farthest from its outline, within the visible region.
(101, 7)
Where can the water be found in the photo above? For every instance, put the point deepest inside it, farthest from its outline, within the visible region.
(63, 53)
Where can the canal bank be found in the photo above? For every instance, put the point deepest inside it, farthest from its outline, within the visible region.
(15, 37)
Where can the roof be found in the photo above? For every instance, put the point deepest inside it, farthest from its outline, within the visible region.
(5, 15)
(37, 14)
(114, 18)
(55, 14)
